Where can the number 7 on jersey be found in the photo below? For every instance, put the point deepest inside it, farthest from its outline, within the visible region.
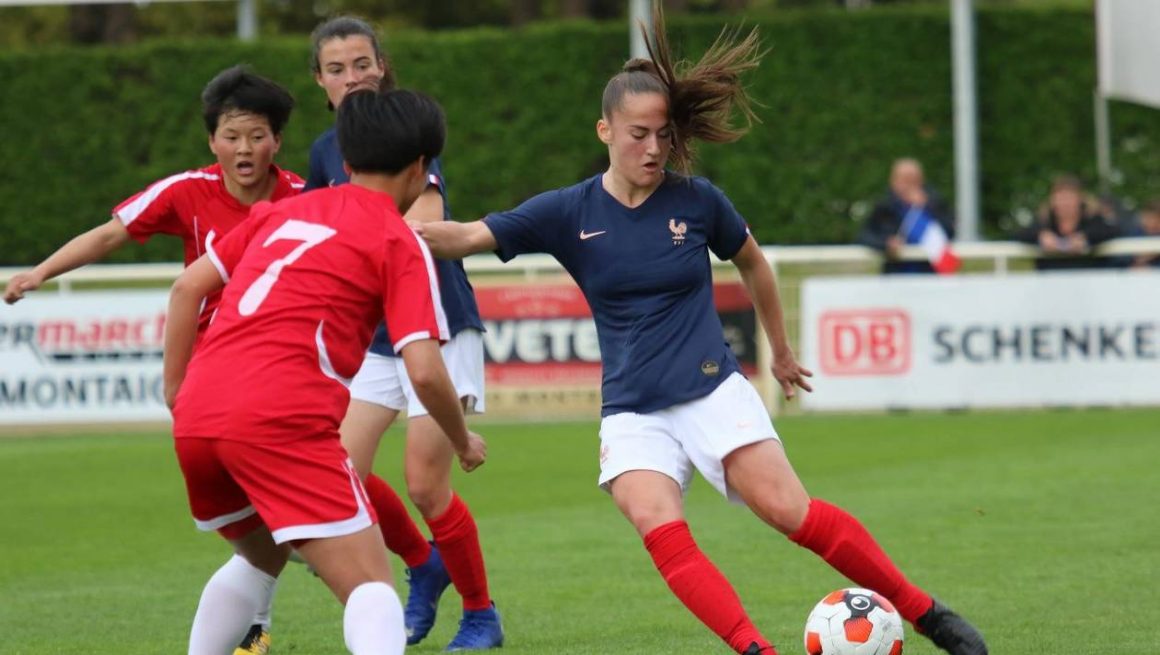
(310, 234)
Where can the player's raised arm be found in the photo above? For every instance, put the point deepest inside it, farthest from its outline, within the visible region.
(185, 300)
(83, 249)
(452, 240)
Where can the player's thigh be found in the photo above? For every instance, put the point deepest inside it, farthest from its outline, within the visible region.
(644, 468)
(259, 549)
(428, 456)
(648, 499)
(376, 397)
(361, 431)
(347, 561)
(762, 476)
(713, 427)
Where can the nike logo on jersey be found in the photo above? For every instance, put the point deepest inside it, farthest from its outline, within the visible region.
(584, 236)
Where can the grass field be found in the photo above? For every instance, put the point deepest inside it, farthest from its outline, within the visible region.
(1043, 527)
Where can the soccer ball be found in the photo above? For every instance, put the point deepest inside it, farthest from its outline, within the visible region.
(854, 622)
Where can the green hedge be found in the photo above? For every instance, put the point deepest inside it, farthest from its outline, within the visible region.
(843, 94)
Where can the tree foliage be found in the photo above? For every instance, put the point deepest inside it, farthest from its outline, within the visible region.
(841, 96)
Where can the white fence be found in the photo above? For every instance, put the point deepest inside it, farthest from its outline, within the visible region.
(48, 371)
(998, 255)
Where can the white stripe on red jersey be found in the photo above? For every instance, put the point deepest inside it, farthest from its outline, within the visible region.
(132, 210)
(440, 316)
(213, 257)
(324, 359)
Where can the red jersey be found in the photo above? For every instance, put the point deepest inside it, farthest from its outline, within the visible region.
(190, 205)
(309, 278)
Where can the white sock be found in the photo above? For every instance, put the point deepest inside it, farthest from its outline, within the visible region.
(373, 621)
(228, 604)
(263, 615)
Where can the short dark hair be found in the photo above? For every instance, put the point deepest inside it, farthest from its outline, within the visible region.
(239, 88)
(385, 131)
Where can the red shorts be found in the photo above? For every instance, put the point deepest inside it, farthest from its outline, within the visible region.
(304, 489)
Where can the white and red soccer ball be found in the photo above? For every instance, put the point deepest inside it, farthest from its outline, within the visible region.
(854, 622)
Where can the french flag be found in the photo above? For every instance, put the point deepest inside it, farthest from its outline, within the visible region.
(919, 227)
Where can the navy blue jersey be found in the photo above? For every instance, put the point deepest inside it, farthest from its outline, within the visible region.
(325, 162)
(646, 274)
(457, 295)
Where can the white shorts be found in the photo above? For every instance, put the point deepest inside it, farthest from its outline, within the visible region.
(383, 380)
(695, 434)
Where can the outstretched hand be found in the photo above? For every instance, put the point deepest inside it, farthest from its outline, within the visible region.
(421, 230)
(19, 284)
(790, 374)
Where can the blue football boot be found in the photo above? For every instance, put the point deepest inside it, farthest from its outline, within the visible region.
(478, 630)
(428, 581)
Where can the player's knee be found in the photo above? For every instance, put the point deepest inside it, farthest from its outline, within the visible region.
(784, 512)
(429, 496)
(424, 499)
(646, 517)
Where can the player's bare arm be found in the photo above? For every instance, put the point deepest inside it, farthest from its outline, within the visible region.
(185, 301)
(432, 384)
(452, 240)
(83, 249)
(427, 208)
(762, 288)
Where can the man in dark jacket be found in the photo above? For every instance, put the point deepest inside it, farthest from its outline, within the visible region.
(883, 228)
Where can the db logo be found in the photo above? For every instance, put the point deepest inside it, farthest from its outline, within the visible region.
(865, 342)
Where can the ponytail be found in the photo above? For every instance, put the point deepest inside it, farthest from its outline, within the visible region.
(702, 97)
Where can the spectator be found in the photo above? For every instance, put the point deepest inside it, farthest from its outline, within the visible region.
(1149, 227)
(883, 229)
(1067, 227)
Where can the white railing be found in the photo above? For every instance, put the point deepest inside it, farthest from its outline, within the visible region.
(998, 254)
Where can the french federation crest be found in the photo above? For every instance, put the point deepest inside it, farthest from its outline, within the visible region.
(678, 230)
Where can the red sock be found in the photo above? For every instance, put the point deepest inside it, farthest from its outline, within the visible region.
(698, 584)
(399, 531)
(847, 546)
(457, 537)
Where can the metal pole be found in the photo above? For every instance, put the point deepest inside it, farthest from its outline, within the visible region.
(1104, 71)
(638, 12)
(966, 124)
(1103, 142)
(247, 20)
